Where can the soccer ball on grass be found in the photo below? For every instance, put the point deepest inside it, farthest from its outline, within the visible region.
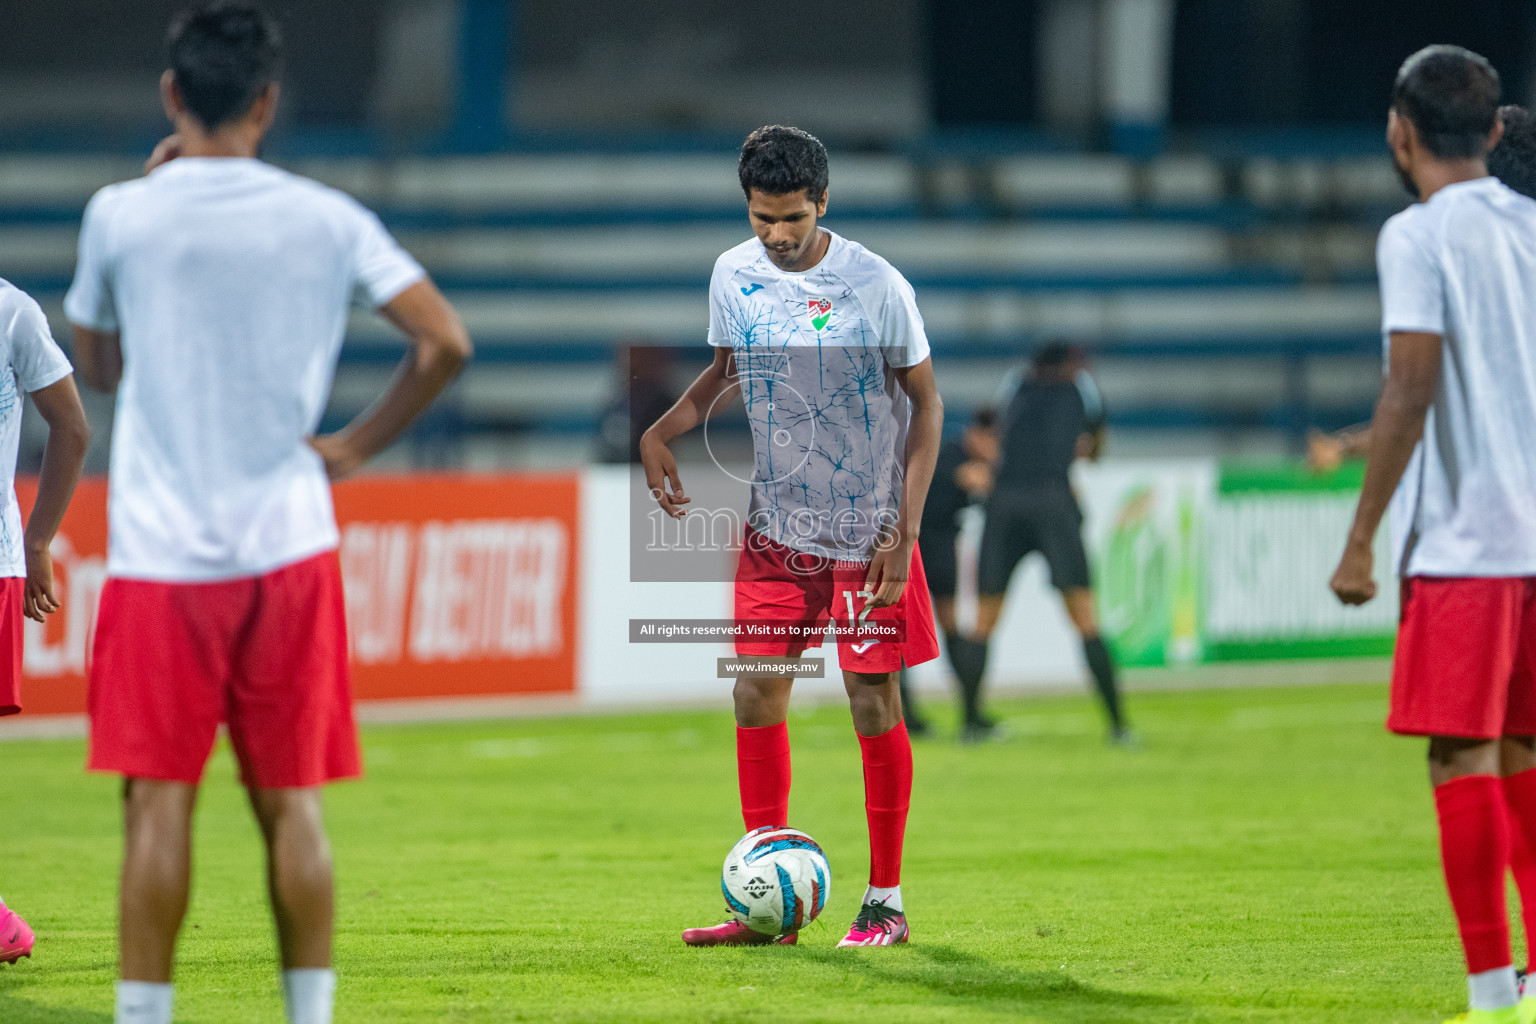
(776, 880)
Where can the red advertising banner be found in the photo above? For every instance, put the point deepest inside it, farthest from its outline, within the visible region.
(456, 586)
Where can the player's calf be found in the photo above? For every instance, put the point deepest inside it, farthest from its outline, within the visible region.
(302, 898)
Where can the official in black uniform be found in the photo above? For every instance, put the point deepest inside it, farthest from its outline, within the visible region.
(961, 477)
(1054, 418)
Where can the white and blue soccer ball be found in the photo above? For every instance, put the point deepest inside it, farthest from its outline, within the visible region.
(776, 880)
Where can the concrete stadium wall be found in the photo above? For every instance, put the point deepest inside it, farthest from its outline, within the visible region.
(1034, 646)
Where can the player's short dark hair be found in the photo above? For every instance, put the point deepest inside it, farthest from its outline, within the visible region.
(1513, 160)
(1452, 96)
(985, 418)
(223, 55)
(777, 161)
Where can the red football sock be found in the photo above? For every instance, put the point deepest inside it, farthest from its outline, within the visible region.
(1520, 797)
(762, 771)
(887, 794)
(1474, 850)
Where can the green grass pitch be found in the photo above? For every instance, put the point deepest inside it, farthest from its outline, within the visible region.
(1269, 856)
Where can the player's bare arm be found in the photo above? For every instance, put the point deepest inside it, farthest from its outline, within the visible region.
(1413, 374)
(710, 394)
(98, 358)
(440, 347)
(889, 564)
(68, 437)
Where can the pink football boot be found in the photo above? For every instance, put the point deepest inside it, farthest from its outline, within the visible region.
(876, 925)
(15, 937)
(734, 933)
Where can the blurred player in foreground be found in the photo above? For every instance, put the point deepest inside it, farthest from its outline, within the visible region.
(962, 476)
(837, 494)
(1512, 161)
(1459, 321)
(213, 295)
(31, 362)
(1053, 418)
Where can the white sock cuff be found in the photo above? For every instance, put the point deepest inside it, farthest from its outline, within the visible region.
(143, 1002)
(309, 994)
(1493, 990)
(890, 897)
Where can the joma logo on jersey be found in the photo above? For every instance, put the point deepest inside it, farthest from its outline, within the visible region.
(821, 312)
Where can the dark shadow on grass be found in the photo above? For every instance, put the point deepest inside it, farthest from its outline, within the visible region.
(23, 1011)
(965, 978)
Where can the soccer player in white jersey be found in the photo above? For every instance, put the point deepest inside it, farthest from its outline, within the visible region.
(822, 340)
(213, 294)
(31, 362)
(1449, 452)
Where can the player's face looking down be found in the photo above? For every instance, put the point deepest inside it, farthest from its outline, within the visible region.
(786, 225)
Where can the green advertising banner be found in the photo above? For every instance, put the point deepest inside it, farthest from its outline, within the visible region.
(1197, 561)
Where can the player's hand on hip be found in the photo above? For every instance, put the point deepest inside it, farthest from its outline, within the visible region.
(340, 461)
(1354, 581)
(38, 600)
(168, 149)
(888, 568)
(660, 474)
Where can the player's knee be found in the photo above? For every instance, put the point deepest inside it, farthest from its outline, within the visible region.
(1454, 756)
(760, 700)
(157, 811)
(1517, 754)
(288, 815)
(873, 695)
(1079, 604)
(301, 861)
(304, 871)
(988, 610)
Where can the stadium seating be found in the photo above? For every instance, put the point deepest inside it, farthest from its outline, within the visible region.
(1225, 294)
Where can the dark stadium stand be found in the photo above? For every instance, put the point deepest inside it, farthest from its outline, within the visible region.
(1232, 295)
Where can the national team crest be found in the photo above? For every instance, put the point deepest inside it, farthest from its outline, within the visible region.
(821, 312)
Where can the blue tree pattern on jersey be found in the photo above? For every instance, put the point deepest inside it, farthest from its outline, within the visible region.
(10, 405)
(823, 413)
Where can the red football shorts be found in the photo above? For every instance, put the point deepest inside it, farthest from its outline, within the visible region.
(776, 584)
(12, 590)
(267, 655)
(1466, 649)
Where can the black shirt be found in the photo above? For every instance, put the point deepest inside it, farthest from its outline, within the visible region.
(946, 498)
(1041, 426)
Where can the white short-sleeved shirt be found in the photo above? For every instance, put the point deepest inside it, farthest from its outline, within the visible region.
(815, 351)
(1463, 266)
(230, 283)
(29, 361)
